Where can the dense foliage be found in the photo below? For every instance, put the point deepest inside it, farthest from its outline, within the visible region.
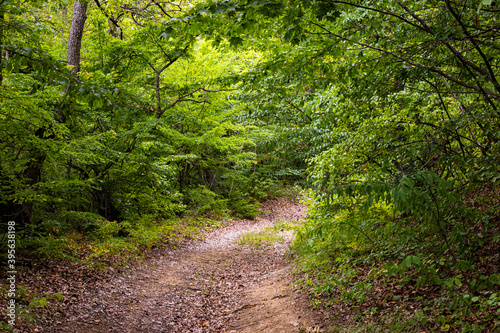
(143, 123)
(387, 110)
(394, 106)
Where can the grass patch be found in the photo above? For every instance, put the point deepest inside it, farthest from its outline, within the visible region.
(267, 236)
(132, 243)
(115, 244)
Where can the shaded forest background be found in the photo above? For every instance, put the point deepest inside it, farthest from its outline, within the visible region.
(122, 122)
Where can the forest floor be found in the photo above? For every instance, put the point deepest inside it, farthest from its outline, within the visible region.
(214, 284)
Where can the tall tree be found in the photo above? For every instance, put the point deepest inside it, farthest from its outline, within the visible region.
(76, 34)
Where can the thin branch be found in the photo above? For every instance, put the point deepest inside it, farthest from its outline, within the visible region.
(433, 69)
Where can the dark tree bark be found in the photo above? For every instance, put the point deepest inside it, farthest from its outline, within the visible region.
(105, 205)
(75, 35)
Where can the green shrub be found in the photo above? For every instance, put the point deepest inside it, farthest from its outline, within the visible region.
(244, 208)
(203, 201)
(80, 221)
(348, 252)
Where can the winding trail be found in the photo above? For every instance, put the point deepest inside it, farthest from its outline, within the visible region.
(211, 285)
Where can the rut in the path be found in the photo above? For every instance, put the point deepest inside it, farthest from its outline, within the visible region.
(213, 285)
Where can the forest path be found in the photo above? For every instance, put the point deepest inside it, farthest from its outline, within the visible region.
(211, 285)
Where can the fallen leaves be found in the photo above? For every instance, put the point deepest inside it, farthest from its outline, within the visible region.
(197, 289)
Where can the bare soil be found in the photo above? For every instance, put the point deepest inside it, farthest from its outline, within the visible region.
(211, 285)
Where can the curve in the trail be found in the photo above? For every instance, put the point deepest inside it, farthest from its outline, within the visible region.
(214, 285)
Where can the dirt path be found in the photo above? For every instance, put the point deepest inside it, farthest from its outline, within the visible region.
(214, 285)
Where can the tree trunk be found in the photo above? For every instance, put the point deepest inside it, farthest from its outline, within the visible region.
(105, 205)
(75, 35)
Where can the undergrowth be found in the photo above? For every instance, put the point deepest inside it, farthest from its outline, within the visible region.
(30, 306)
(114, 244)
(384, 270)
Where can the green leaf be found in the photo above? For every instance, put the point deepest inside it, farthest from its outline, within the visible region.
(408, 261)
(167, 33)
(43, 302)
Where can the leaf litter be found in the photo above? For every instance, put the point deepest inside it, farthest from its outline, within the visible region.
(209, 285)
